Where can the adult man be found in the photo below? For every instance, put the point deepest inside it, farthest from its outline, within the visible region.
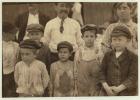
(32, 16)
(62, 28)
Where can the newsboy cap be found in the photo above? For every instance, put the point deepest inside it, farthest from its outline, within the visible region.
(30, 44)
(8, 27)
(65, 44)
(88, 27)
(121, 30)
(35, 28)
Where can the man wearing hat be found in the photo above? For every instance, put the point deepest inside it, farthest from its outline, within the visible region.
(119, 68)
(32, 16)
(62, 28)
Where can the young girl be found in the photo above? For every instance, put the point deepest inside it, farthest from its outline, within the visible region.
(87, 64)
(10, 57)
(31, 75)
(61, 73)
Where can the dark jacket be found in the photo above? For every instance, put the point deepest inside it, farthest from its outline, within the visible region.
(122, 70)
(43, 55)
(21, 23)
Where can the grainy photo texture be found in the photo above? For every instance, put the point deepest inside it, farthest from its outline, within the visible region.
(64, 49)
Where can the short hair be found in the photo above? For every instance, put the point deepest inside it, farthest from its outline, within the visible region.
(117, 5)
(8, 28)
(65, 44)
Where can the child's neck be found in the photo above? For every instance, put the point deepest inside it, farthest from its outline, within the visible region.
(64, 62)
(90, 47)
(125, 20)
(29, 62)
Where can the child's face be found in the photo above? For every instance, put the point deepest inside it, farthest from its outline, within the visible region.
(119, 43)
(123, 11)
(64, 54)
(89, 37)
(27, 55)
(35, 35)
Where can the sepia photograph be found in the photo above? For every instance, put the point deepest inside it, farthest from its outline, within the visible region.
(69, 49)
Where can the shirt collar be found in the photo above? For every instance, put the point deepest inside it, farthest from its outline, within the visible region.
(33, 15)
(59, 19)
(128, 23)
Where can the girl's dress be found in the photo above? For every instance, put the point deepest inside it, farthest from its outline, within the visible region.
(62, 82)
(10, 53)
(87, 68)
(31, 79)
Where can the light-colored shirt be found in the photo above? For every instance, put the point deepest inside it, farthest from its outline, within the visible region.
(31, 79)
(10, 51)
(32, 19)
(71, 33)
(132, 46)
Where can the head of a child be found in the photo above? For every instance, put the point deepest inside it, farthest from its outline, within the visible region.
(123, 10)
(8, 31)
(28, 50)
(89, 34)
(65, 50)
(35, 31)
(120, 38)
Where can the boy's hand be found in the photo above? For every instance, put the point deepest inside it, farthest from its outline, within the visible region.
(117, 89)
(108, 89)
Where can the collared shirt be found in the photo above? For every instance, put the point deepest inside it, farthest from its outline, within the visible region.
(31, 79)
(132, 46)
(32, 19)
(10, 53)
(71, 33)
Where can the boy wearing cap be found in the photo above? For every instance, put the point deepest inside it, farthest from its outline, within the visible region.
(61, 73)
(30, 74)
(123, 11)
(10, 52)
(87, 63)
(35, 32)
(119, 68)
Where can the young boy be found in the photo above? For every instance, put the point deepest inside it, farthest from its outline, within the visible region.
(10, 52)
(30, 74)
(87, 63)
(119, 69)
(35, 32)
(123, 12)
(61, 73)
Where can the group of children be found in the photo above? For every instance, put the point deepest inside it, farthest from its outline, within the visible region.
(27, 69)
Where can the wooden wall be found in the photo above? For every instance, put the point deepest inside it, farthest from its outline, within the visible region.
(96, 13)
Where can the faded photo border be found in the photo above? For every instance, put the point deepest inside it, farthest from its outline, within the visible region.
(75, 98)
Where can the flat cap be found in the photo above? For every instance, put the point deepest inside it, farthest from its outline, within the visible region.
(35, 28)
(88, 27)
(121, 30)
(30, 44)
(65, 44)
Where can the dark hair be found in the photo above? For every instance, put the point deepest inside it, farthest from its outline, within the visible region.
(117, 5)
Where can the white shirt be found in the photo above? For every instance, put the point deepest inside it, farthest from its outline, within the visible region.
(32, 19)
(10, 51)
(118, 54)
(71, 33)
(31, 79)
